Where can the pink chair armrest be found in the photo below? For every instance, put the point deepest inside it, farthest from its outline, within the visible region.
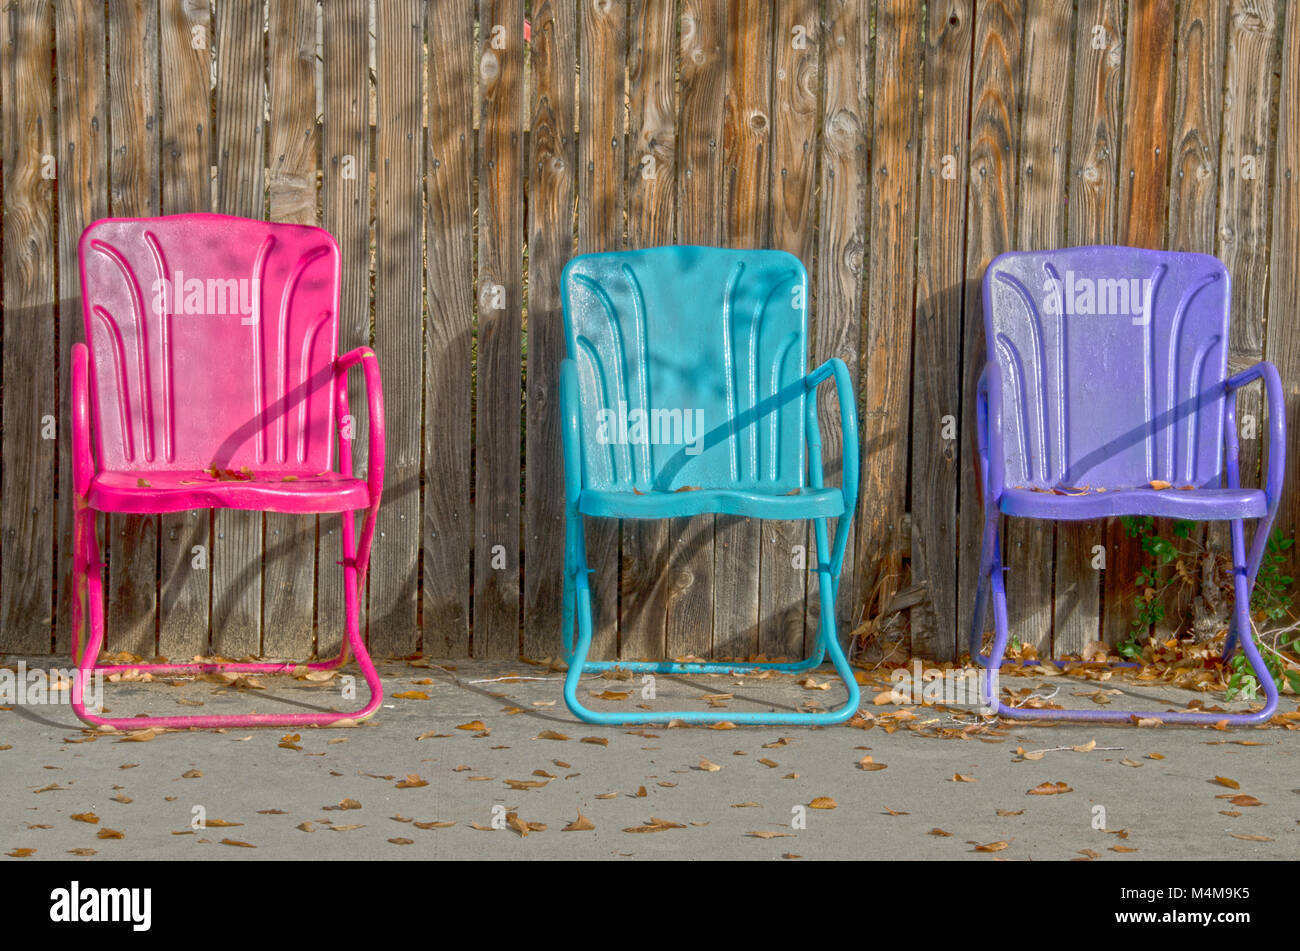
(365, 357)
(83, 459)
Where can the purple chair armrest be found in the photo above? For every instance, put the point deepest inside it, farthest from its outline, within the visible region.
(988, 432)
(375, 402)
(83, 459)
(1277, 428)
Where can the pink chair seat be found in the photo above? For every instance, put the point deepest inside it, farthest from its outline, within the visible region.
(152, 491)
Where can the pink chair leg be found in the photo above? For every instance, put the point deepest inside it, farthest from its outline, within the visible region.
(87, 574)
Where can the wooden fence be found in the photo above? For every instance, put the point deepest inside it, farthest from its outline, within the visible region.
(459, 150)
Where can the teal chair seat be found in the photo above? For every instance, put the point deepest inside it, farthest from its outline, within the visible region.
(686, 391)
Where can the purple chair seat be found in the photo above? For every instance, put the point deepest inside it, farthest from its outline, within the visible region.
(1190, 504)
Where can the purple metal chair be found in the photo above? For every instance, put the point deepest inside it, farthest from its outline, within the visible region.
(1106, 377)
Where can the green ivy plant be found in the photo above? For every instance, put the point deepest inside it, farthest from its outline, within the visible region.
(1270, 601)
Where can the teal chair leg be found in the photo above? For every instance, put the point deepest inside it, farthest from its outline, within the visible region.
(577, 608)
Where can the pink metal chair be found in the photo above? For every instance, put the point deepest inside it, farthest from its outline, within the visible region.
(211, 381)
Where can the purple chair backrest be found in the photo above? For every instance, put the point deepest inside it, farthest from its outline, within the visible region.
(212, 341)
(1111, 362)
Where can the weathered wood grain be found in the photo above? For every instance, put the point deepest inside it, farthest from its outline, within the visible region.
(885, 388)
(1241, 238)
(500, 287)
(1141, 223)
(939, 426)
(132, 540)
(1193, 200)
(1282, 343)
(80, 50)
(651, 221)
(185, 56)
(747, 216)
(796, 81)
(293, 165)
(990, 224)
(702, 89)
(345, 212)
(399, 273)
(241, 162)
(550, 245)
(836, 324)
(1043, 163)
(30, 407)
(1093, 195)
(449, 330)
(601, 204)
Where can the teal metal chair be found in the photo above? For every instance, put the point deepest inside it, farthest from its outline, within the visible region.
(686, 392)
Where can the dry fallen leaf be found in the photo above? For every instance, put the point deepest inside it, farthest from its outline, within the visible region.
(580, 824)
(477, 725)
(959, 778)
(412, 781)
(1049, 789)
(940, 832)
(550, 735)
(823, 802)
(992, 846)
(238, 844)
(708, 766)
(110, 834)
(1250, 838)
(410, 695)
(764, 834)
(1225, 781)
(85, 817)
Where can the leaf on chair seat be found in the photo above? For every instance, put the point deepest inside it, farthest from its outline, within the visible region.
(1158, 484)
(142, 483)
(689, 488)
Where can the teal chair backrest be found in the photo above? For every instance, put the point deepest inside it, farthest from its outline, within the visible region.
(690, 366)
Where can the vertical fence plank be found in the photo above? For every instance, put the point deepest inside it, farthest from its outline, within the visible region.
(550, 244)
(132, 540)
(241, 161)
(1040, 224)
(1241, 241)
(1143, 204)
(293, 163)
(994, 133)
(30, 403)
(796, 83)
(185, 98)
(1193, 199)
(836, 327)
(83, 197)
(937, 452)
(651, 221)
(1282, 344)
(500, 231)
(602, 52)
(747, 216)
(891, 274)
(399, 266)
(345, 210)
(688, 630)
(1094, 177)
(449, 174)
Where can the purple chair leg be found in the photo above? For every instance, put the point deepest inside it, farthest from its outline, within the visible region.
(1243, 571)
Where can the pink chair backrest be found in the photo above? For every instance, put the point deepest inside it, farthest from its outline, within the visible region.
(212, 341)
